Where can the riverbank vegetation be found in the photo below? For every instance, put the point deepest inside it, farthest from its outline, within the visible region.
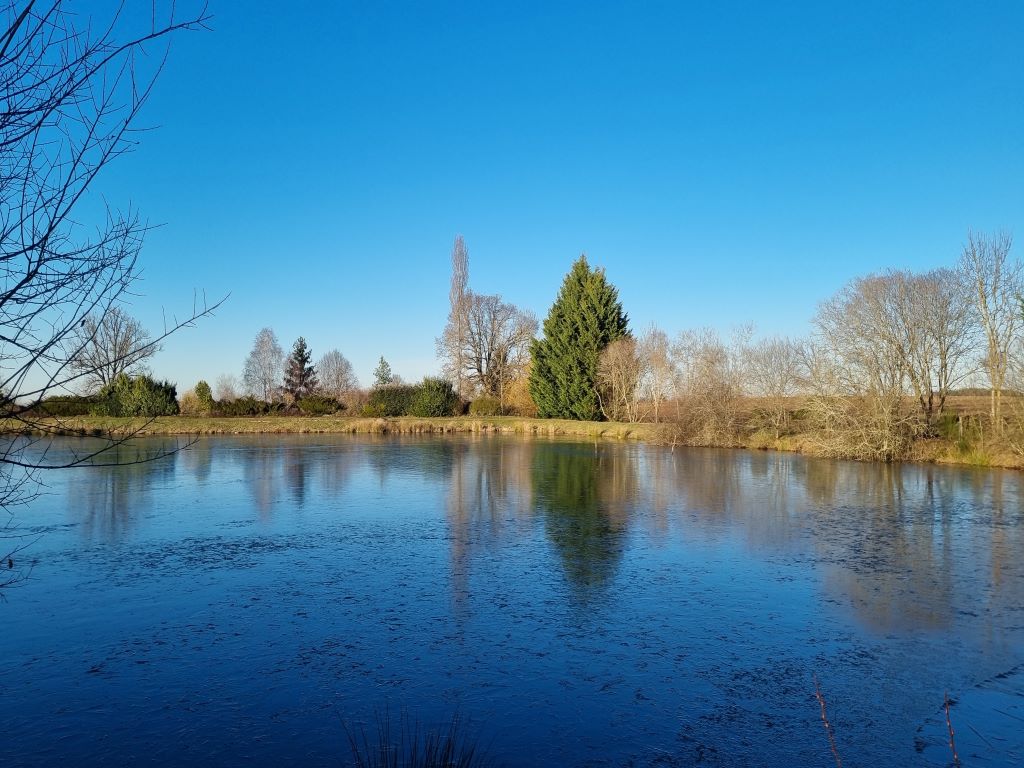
(900, 366)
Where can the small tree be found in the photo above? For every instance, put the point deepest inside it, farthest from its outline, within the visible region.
(205, 396)
(299, 375)
(227, 387)
(585, 318)
(620, 371)
(382, 375)
(336, 374)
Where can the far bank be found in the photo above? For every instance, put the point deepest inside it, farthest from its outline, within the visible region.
(934, 450)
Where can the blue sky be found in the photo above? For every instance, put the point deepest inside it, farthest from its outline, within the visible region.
(725, 162)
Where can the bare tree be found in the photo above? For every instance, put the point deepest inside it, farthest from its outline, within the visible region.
(772, 369)
(106, 346)
(226, 387)
(264, 366)
(72, 93)
(620, 371)
(659, 377)
(995, 282)
(452, 343)
(709, 385)
(336, 374)
(936, 319)
(495, 343)
(860, 373)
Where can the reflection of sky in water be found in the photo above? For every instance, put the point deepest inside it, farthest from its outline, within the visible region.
(578, 602)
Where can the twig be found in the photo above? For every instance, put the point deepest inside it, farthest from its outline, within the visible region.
(949, 725)
(828, 725)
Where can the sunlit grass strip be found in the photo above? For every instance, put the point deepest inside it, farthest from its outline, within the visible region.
(246, 425)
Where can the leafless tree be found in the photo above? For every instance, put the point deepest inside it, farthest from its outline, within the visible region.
(709, 385)
(107, 346)
(226, 387)
(451, 345)
(495, 344)
(772, 372)
(336, 374)
(658, 381)
(620, 371)
(935, 318)
(995, 282)
(72, 89)
(860, 373)
(264, 366)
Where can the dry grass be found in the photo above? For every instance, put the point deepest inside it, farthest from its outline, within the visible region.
(983, 452)
(253, 425)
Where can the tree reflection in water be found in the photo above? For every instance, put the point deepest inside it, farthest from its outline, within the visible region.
(585, 495)
(113, 493)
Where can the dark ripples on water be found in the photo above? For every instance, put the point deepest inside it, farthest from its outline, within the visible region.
(578, 604)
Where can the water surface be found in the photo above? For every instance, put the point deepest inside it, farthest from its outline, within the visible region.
(580, 604)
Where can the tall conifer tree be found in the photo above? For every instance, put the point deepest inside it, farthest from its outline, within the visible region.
(299, 375)
(585, 318)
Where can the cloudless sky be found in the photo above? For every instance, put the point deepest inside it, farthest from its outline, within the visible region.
(725, 162)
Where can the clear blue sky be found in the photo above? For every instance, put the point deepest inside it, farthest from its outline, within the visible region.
(725, 162)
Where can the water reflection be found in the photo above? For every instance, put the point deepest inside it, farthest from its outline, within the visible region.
(108, 498)
(585, 495)
(614, 598)
(902, 547)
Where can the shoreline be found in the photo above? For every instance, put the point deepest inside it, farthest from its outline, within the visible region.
(934, 451)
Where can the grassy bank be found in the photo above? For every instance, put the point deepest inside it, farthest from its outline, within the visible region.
(256, 425)
(935, 450)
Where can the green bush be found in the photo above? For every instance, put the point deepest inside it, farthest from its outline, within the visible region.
(391, 400)
(244, 406)
(485, 406)
(141, 396)
(66, 405)
(205, 396)
(433, 398)
(319, 405)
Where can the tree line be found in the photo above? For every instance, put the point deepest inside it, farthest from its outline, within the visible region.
(873, 378)
(887, 352)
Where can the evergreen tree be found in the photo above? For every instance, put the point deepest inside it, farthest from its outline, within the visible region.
(585, 318)
(299, 375)
(382, 375)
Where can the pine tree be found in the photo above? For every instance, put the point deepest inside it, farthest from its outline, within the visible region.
(299, 375)
(382, 375)
(585, 318)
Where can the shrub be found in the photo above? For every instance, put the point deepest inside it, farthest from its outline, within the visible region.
(66, 405)
(433, 398)
(139, 396)
(485, 406)
(189, 405)
(204, 395)
(319, 405)
(391, 400)
(243, 406)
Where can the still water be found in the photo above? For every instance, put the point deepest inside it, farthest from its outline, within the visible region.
(578, 604)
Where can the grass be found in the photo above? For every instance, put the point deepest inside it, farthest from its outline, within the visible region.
(252, 425)
(968, 450)
(411, 746)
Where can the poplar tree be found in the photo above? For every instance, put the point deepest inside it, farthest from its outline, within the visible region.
(585, 318)
(299, 375)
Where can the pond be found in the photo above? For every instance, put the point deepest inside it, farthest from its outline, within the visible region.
(249, 601)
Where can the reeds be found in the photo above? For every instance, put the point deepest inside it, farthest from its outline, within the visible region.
(412, 746)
